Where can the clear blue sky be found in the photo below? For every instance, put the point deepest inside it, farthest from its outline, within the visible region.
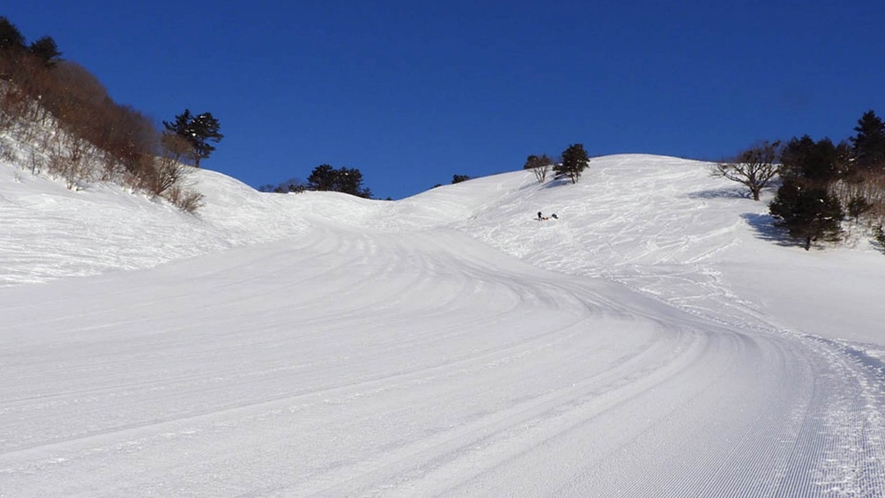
(411, 91)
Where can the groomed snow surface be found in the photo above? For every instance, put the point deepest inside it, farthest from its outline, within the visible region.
(658, 340)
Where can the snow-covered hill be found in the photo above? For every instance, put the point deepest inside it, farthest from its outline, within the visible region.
(657, 339)
(660, 225)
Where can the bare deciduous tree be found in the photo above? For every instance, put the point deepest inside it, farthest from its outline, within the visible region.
(185, 199)
(169, 168)
(540, 166)
(754, 168)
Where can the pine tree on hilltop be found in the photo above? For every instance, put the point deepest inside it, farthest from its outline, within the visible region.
(198, 130)
(868, 145)
(322, 178)
(574, 162)
(346, 180)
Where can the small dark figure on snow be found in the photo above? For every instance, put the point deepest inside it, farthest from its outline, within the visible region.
(540, 216)
(554, 216)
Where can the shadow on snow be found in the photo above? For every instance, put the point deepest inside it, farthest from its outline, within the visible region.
(763, 227)
(721, 193)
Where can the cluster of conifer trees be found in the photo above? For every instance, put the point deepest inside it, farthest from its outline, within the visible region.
(822, 184)
(325, 178)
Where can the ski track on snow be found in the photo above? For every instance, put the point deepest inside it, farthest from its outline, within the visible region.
(393, 350)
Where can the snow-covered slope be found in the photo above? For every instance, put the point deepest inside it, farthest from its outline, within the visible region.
(652, 341)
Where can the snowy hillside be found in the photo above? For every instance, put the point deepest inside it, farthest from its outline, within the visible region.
(657, 339)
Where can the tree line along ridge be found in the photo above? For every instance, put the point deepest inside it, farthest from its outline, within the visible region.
(824, 189)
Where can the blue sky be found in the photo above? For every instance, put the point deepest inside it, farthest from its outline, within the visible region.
(411, 92)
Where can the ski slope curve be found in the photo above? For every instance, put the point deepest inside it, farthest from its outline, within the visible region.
(650, 342)
(354, 362)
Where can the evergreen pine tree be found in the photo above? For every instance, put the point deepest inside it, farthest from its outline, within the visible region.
(574, 162)
(813, 162)
(803, 205)
(350, 181)
(198, 131)
(346, 180)
(46, 50)
(868, 145)
(10, 36)
(808, 214)
(322, 178)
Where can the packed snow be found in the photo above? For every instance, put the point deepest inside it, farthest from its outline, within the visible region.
(658, 339)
